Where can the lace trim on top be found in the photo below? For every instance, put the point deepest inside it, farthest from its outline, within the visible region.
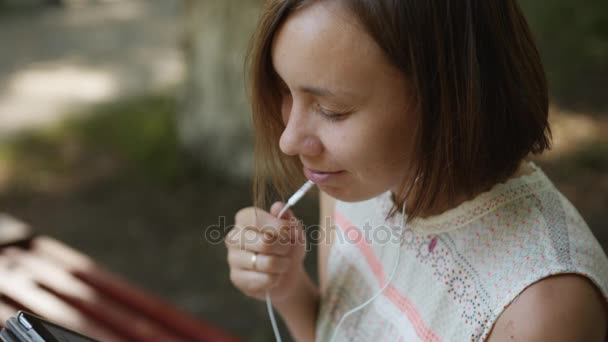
(473, 209)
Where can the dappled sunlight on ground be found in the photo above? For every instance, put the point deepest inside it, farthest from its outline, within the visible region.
(64, 58)
(36, 96)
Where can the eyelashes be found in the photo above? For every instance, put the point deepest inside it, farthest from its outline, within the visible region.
(326, 114)
(330, 115)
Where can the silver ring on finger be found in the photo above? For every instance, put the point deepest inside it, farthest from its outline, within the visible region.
(254, 259)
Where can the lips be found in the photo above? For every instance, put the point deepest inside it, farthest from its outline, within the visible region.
(319, 171)
(320, 177)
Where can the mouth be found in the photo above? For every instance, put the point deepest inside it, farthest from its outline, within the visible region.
(320, 177)
(320, 171)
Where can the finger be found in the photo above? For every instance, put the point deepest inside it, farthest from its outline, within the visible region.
(276, 208)
(231, 237)
(247, 215)
(268, 245)
(288, 222)
(235, 237)
(264, 263)
(252, 217)
(264, 222)
(253, 282)
(267, 239)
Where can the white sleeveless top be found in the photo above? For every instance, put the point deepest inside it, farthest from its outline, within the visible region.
(458, 270)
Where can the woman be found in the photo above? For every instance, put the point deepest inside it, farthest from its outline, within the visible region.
(416, 116)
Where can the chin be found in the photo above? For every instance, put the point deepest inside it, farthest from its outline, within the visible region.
(348, 194)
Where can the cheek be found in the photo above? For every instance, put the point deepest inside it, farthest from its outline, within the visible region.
(356, 147)
(372, 149)
(383, 149)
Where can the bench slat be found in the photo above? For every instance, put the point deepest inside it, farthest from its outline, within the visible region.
(121, 291)
(21, 288)
(85, 299)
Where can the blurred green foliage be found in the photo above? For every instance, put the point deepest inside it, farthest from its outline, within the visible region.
(573, 41)
(141, 131)
(134, 135)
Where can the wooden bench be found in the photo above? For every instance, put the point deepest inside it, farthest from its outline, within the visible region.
(46, 277)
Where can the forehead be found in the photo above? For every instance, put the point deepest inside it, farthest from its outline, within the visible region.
(324, 45)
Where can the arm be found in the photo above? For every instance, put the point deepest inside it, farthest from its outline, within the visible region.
(300, 311)
(559, 308)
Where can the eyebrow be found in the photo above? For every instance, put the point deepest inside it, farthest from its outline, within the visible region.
(317, 91)
(321, 92)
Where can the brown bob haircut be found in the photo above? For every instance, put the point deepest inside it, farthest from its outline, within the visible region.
(479, 89)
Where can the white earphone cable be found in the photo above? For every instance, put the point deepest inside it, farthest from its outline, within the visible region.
(388, 281)
(292, 201)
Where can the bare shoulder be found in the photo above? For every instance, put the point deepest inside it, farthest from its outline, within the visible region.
(566, 307)
(326, 209)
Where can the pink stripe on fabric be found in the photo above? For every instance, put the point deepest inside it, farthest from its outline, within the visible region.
(355, 235)
(405, 305)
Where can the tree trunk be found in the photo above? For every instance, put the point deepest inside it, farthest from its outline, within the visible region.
(214, 121)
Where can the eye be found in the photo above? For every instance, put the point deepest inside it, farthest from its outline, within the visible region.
(330, 115)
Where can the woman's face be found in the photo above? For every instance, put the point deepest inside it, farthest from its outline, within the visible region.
(345, 107)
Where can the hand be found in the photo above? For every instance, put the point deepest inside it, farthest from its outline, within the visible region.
(280, 245)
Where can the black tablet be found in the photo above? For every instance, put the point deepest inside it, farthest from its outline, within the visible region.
(48, 331)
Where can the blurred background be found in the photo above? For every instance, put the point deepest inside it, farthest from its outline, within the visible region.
(125, 133)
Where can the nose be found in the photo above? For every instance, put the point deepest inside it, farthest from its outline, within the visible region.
(299, 136)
